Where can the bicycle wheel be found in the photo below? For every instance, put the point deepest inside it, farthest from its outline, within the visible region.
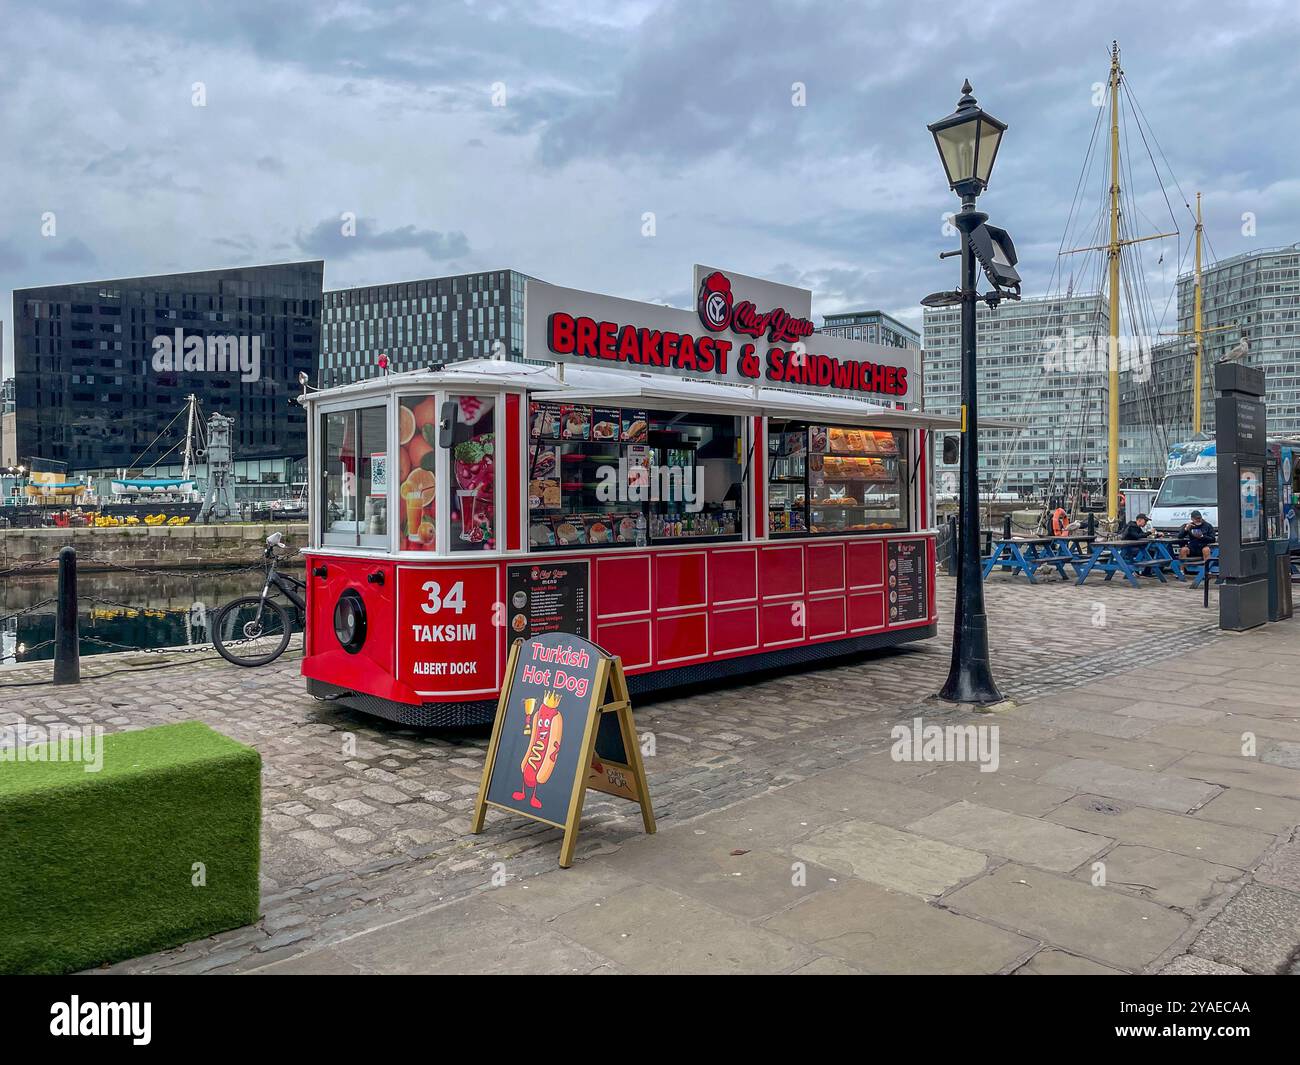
(251, 631)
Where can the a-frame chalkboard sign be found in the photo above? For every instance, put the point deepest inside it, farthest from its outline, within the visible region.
(563, 725)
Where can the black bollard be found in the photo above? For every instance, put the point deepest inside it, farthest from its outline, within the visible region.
(1006, 526)
(67, 642)
(1092, 524)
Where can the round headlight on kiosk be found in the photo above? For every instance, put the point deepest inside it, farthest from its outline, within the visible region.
(350, 621)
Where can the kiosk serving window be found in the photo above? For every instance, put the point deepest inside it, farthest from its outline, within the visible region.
(826, 479)
(417, 459)
(472, 503)
(611, 477)
(467, 507)
(354, 472)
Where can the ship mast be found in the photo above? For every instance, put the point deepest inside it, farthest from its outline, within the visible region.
(1199, 329)
(1119, 239)
(189, 438)
(1113, 250)
(1112, 253)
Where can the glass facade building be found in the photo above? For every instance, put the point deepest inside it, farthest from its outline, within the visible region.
(873, 326)
(1255, 295)
(102, 369)
(1040, 364)
(416, 323)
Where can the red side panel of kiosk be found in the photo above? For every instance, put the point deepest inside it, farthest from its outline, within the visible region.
(439, 634)
(679, 608)
(371, 669)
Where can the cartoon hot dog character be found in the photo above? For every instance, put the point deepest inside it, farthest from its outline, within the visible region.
(546, 726)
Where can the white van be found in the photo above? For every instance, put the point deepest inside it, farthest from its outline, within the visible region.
(1191, 483)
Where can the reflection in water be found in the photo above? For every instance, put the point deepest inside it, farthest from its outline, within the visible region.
(131, 610)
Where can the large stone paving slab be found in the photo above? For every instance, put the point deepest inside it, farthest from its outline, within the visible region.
(1253, 809)
(1094, 922)
(1136, 754)
(719, 868)
(850, 794)
(999, 790)
(1170, 712)
(475, 936)
(1182, 739)
(1085, 719)
(1257, 930)
(898, 860)
(544, 897)
(1172, 879)
(882, 931)
(1052, 962)
(773, 820)
(1274, 728)
(1029, 763)
(649, 929)
(1178, 833)
(1163, 791)
(1240, 773)
(1022, 839)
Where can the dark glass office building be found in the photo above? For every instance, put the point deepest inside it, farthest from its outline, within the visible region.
(102, 368)
(415, 323)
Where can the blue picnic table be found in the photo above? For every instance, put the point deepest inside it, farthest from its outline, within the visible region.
(1028, 554)
(1131, 558)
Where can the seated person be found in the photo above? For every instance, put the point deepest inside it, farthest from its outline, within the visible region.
(1135, 530)
(1198, 536)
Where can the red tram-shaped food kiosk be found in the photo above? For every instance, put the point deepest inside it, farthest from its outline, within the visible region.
(700, 509)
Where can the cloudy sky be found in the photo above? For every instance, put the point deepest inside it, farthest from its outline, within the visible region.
(551, 137)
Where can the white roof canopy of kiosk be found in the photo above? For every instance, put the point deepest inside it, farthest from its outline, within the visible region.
(595, 386)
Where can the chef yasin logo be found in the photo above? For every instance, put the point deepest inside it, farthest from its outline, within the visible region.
(715, 301)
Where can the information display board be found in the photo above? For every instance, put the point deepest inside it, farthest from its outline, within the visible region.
(906, 578)
(548, 597)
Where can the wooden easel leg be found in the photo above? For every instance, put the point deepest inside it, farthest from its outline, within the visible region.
(570, 844)
(631, 745)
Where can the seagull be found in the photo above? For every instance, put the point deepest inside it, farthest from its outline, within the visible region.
(1238, 351)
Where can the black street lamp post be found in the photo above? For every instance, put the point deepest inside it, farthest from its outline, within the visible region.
(968, 141)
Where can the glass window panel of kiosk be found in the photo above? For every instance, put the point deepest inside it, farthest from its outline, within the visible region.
(830, 479)
(625, 477)
(471, 502)
(354, 472)
(417, 460)
(696, 477)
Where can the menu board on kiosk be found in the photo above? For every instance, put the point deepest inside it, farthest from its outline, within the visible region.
(906, 565)
(546, 598)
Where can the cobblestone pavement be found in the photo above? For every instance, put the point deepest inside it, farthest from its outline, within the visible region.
(365, 822)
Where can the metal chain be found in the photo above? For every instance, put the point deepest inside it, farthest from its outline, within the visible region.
(148, 650)
(101, 601)
(108, 563)
(29, 610)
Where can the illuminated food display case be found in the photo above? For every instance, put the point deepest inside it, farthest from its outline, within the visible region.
(703, 493)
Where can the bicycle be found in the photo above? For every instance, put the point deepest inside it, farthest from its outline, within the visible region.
(255, 629)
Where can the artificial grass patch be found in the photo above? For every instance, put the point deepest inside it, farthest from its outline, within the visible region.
(96, 867)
